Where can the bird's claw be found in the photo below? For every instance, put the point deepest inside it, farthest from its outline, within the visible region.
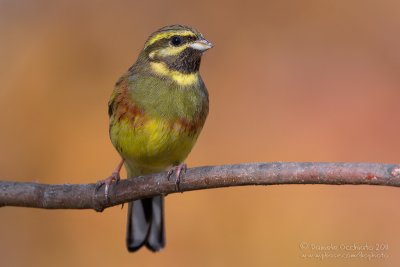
(107, 182)
(181, 168)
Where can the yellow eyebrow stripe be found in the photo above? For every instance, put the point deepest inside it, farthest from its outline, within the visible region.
(168, 34)
(183, 79)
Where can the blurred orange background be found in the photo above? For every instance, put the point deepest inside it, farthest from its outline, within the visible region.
(288, 81)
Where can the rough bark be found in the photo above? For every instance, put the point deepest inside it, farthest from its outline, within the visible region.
(85, 196)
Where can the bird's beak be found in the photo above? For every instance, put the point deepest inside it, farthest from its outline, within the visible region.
(201, 45)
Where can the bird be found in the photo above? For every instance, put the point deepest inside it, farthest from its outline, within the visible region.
(156, 113)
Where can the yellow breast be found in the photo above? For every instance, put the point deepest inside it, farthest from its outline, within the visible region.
(154, 143)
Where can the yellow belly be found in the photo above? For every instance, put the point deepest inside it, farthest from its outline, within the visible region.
(153, 145)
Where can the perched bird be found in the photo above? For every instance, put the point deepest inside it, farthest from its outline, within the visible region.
(157, 110)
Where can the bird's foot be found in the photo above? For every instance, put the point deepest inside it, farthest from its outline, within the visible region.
(178, 170)
(114, 177)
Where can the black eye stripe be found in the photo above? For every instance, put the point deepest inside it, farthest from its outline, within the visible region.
(176, 40)
(164, 42)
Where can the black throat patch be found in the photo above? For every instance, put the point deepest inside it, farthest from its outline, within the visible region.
(188, 61)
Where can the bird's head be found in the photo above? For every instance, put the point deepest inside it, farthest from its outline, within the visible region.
(176, 48)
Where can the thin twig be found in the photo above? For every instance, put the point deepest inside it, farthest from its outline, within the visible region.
(85, 196)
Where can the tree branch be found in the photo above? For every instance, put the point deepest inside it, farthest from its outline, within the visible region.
(85, 196)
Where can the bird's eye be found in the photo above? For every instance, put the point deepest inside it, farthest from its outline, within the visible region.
(176, 40)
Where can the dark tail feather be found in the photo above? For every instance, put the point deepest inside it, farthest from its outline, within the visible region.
(146, 224)
(156, 237)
